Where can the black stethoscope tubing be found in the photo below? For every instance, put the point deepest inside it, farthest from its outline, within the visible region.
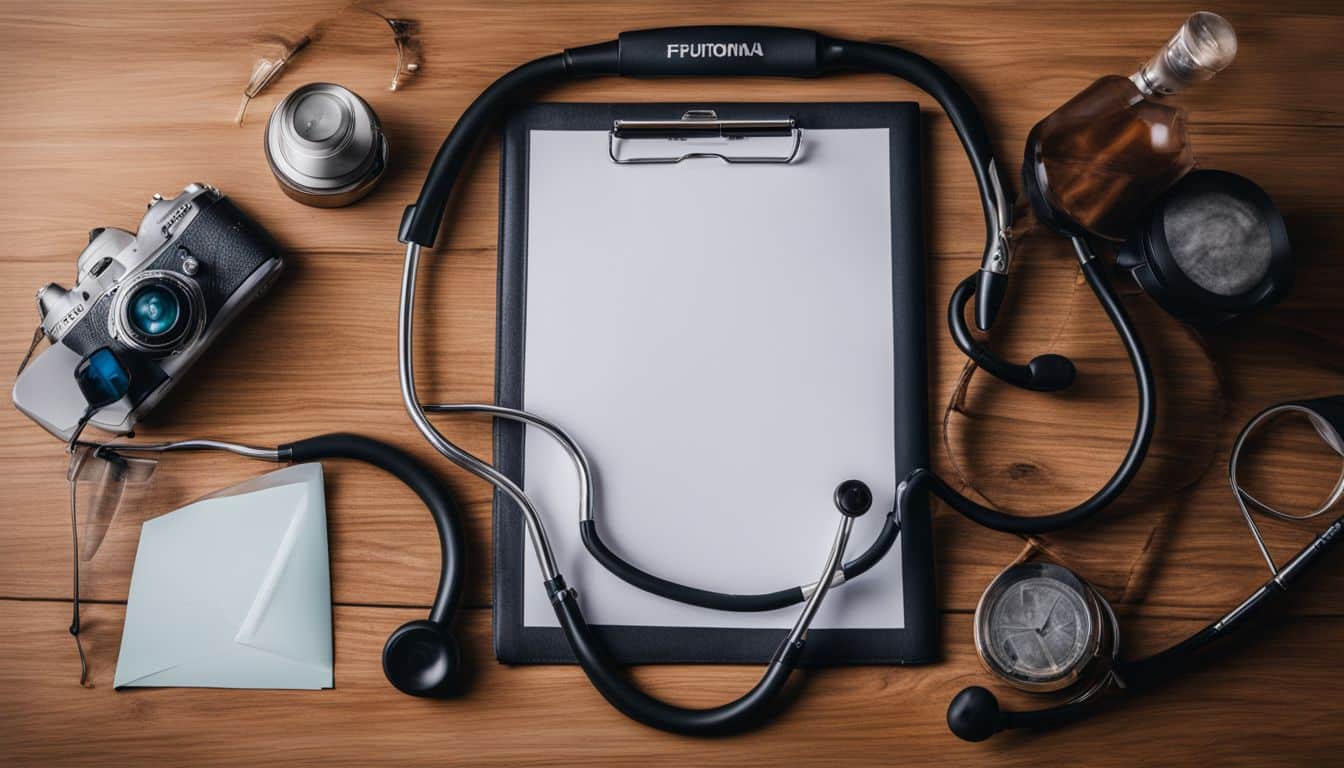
(1144, 422)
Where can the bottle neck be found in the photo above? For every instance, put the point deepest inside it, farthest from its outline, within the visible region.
(1154, 79)
(1159, 78)
(1145, 86)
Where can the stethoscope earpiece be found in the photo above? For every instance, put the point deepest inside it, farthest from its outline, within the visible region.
(853, 498)
(1044, 373)
(1050, 373)
(421, 658)
(974, 714)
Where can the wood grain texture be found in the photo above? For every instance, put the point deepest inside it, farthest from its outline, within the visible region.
(109, 102)
(1254, 710)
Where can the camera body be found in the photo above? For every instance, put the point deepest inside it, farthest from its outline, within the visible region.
(158, 298)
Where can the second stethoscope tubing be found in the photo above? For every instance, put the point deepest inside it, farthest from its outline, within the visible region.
(406, 373)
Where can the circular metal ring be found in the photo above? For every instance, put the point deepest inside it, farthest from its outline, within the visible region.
(1097, 654)
(1322, 428)
(193, 306)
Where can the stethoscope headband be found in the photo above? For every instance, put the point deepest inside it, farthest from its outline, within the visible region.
(730, 51)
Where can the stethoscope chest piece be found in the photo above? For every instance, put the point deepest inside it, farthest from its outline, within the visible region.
(1040, 628)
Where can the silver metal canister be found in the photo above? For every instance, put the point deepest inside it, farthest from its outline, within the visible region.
(325, 145)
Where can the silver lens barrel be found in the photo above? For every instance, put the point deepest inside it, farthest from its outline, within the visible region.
(175, 302)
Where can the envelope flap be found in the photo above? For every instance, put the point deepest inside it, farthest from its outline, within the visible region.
(291, 614)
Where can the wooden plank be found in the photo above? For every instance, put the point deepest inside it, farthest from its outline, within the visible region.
(1251, 706)
(383, 548)
(127, 174)
(1020, 66)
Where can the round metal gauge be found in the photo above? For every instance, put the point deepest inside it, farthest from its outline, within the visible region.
(1038, 627)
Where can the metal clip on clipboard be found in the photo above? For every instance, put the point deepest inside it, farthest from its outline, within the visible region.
(703, 129)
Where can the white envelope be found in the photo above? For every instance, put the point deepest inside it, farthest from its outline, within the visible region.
(234, 590)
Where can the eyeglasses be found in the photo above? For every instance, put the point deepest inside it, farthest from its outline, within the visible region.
(271, 64)
(101, 478)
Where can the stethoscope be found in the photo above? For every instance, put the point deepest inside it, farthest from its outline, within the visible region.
(974, 714)
(783, 52)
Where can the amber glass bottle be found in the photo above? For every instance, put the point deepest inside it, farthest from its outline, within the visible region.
(1098, 161)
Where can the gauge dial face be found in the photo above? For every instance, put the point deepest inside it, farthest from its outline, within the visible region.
(1036, 628)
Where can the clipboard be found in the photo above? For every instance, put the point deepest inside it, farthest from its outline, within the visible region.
(633, 300)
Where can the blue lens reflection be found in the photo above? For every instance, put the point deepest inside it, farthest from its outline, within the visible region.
(154, 310)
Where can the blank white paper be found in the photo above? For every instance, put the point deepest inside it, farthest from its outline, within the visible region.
(718, 338)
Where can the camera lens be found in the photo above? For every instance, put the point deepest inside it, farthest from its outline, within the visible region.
(158, 312)
(154, 310)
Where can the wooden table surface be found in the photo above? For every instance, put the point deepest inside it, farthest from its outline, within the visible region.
(105, 104)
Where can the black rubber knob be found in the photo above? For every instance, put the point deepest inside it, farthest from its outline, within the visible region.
(973, 714)
(1051, 373)
(421, 658)
(853, 498)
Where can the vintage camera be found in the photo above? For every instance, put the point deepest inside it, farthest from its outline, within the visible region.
(158, 298)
